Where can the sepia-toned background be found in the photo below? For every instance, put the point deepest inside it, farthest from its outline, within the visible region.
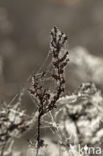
(25, 27)
(24, 34)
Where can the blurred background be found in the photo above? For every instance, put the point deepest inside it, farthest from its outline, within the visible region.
(24, 39)
(25, 27)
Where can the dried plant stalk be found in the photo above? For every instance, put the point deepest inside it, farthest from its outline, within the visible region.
(46, 98)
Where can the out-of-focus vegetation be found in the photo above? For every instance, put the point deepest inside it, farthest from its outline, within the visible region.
(24, 28)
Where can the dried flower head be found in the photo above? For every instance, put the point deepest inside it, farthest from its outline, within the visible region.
(46, 99)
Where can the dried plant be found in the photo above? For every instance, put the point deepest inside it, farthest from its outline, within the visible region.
(46, 99)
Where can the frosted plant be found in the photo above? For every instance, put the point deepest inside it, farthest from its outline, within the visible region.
(84, 109)
(13, 123)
